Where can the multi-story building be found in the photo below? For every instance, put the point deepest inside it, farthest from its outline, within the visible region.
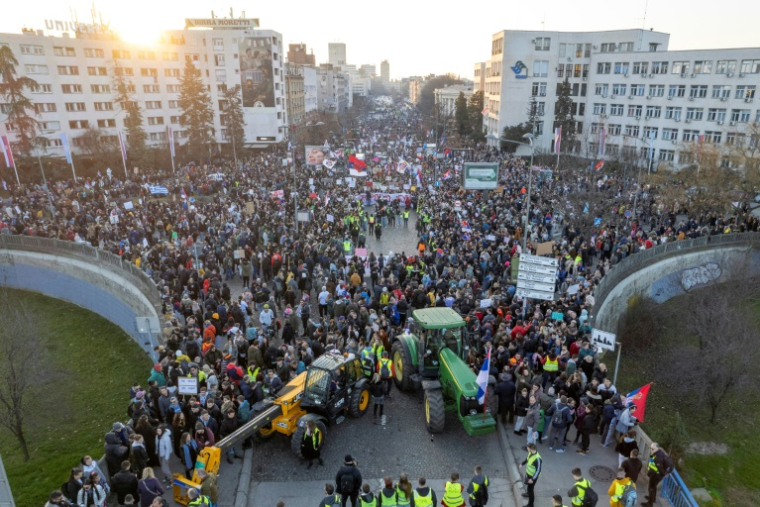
(385, 72)
(415, 86)
(310, 94)
(446, 98)
(336, 54)
(294, 86)
(74, 78)
(362, 86)
(368, 70)
(480, 77)
(297, 54)
(631, 95)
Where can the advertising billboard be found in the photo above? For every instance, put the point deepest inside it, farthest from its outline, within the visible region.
(256, 71)
(316, 155)
(481, 175)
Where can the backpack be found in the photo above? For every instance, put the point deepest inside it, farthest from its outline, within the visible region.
(347, 484)
(590, 499)
(558, 418)
(336, 501)
(629, 497)
(385, 370)
(669, 467)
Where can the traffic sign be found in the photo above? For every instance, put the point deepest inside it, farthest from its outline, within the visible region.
(544, 270)
(535, 259)
(536, 277)
(603, 339)
(546, 287)
(534, 294)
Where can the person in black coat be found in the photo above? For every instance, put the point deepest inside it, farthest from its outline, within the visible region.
(228, 427)
(115, 453)
(506, 392)
(124, 483)
(348, 480)
(73, 485)
(521, 410)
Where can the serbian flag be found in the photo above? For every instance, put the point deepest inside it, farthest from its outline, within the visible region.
(446, 152)
(5, 146)
(184, 195)
(599, 165)
(557, 139)
(482, 379)
(638, 398)
(447, 174)
(358, 164)
(327, 198)
(419, 177)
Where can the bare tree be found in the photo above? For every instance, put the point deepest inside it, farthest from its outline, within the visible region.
(19, 366)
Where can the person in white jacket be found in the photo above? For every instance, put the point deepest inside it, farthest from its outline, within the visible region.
(165, 450)
(91, 495)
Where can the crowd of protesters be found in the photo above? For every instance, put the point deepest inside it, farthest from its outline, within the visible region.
(250, 303)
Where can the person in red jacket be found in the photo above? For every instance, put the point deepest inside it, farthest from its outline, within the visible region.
(234, 372)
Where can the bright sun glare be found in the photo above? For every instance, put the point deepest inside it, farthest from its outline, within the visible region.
(137, 32)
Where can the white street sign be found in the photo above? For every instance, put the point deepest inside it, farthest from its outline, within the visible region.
(534, 294)
(536, 277)
(537, 269)
(545, 287)
(603, 339)
(535, 259)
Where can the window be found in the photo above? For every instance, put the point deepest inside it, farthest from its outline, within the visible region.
(740, 115)
(42, 88)
(579, 50)
(613, 130)
(725, 67)
(621, 67)
(681, 67)
(585, 70)
(670, 134)
(40, 107)
(174, 120)
(659, 67)
(75, 88)
(150, 89)
(172, 88)
(192, 57)
(733, 139)
(174, 104)
(541, 68)
(63, 51)
(635, 111)
(36, 69)
(632, 130)
(750, 66)
(703, 67)
(694, 113)
(673, 113)
(29, 49)
(714, 114)
(50, 125)
(616, 109)
(68, 70)
(539, 89)
(601, 89)
(78, 124)
(574, 90)
(124, 71)
(153, 104)
(100, 88)
(577, 70)
(619, 89)
(560, 71)
(93, 53)
(171, 72)
(713, 137)
(721, 91)
(75, 106)
(103, 106)
(654, 111)
(685, 157)
(218, 44)
(698, 91)
(677, 91)
(149, 72)
(542, 43)
(608, 47)
(745, 92)
(562, 50)
(97, 71)
(146, 55)
(219, 60)
(155, 120)
(603, 68)
(638, 90)
(650, 132)
(221, 75)
(656, 90)
(106, 123)
(626, 46)
(541, 108)
(667, 155)
(157, 136)
(539, 127)
(170, 56)
(600, 108)
(612, 149)
(640, 67)
(595, 127)
(131, 88)
(690, 135)
(120, 54)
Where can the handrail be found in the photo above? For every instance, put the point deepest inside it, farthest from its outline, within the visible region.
(676, 492)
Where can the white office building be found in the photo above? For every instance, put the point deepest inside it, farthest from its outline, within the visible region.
(336, 54)
(447, 97)
(630, 94)
(74, 76)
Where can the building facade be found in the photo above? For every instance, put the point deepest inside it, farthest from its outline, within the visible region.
(632, 97)
(295, 99)
(385, 72)
(74, 76)
(479, 75)
(336, 54)
(415, 86)
(368, 70)
(446, 98)
(297, 54)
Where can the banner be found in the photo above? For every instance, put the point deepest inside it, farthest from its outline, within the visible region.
(123, 147)
(256, 71)
(315, 155)
(557, 139)
(170, 135)
(66, 147)
(7, 152)
(328, 163)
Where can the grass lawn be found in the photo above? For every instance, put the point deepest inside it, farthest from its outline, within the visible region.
(94, 364)
(733, 479)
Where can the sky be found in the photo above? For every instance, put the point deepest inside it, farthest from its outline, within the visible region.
(417, 37)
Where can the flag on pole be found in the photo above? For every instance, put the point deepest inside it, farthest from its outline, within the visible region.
(184, 195)
(599, 165)
(557, 139)
(123, 147)
(170, 135)
(602, 138)
(447, 174)
(357, 164)
(66, 147)
(327, 198)
(484, 111)
(5, 145)
(159, 190)
(419, 177)
(638, 397)
(482, 379)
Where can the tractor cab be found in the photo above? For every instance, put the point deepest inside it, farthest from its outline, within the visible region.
(332, 383)
(433, 340)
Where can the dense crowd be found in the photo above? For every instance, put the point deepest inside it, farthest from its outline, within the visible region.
(250, 303)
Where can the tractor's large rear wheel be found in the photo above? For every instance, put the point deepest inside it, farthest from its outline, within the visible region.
(402, 363)
(435, 410)
(295, 440)
(359, 401)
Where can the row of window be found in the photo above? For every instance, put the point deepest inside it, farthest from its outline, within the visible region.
(680, 67)
(668, 134)
(73, 70)
(37, 50)
(43, 107)
(746, 92)
(674, 113)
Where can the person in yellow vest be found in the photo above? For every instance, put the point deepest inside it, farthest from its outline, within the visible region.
(452, 492)
(367, 498)
(331, 499)
(372, 224)
(387, 496)
(532, 464)
(424, 496)
(406, 219)
(311, 445)
(386, 370)
(347, 246)
(579, 490)
(478, 488)
(551, 368)
(403, 491)
(617, 488)
(557, 501)
(196, 499)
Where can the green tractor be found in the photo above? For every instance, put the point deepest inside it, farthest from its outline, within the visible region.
(430, 355)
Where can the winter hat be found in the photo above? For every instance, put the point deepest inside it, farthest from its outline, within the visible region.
(348, 459)
(140, 395)
(157, 367)
(117, 426)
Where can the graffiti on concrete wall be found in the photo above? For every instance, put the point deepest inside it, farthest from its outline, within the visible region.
(679, 282)
(700, 275)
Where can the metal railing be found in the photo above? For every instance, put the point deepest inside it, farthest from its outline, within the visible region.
(676, 492)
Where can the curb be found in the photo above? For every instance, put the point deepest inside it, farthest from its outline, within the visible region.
(514, 474)
(244, 481)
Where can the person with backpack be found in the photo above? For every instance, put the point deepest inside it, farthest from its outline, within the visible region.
(478, 488)
(348, 481)
(386, 370)
(560, 420)
(532, 466)
(581, 493)
(622, 491)
(331, 499)
(660, 466)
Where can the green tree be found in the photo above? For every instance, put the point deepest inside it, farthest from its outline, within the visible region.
(197, 112)
(17, 106)
(123, 95)
(235, 120)
(460, 115)
(475, 112)
(514, 133)
(563, 114)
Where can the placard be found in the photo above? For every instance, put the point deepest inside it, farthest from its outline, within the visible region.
(573, 289)
(603, 339)
(249, 208)
(558, 316)
(545, 248)
(239, 253)
(330, 218)
(128, 205)
(187, 385)
(491, 237)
